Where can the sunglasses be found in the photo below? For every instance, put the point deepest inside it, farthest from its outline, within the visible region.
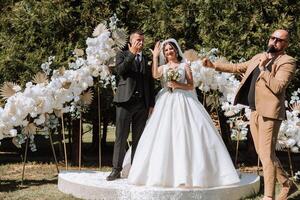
(277, 39)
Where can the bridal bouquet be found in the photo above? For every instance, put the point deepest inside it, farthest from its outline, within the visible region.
(172, 75)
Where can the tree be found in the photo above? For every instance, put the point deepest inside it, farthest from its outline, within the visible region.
(33, 30)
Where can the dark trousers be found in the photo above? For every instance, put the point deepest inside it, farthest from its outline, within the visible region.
(135, 113)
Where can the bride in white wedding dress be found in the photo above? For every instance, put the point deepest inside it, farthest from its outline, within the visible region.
(180, 146)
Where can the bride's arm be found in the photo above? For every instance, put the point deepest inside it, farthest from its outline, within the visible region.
(156, 70)
(189, 77)
(189, 85)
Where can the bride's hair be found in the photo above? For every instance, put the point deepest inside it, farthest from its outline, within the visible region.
(174, 46)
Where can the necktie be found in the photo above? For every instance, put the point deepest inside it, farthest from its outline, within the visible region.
(140, 83)
(138, 62)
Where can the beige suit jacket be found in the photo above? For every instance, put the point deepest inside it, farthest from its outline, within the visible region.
(270, 85)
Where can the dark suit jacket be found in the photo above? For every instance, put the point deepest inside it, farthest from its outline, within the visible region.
(127, 71)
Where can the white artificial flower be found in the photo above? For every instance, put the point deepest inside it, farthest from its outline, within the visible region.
(13, 132)
(247, 113)
(28, 84)
(66, 109)
(298, 142)
(76, 99)
(40, 120)
(91, 41)
(113, 22)
(290, 142)
(295, 149)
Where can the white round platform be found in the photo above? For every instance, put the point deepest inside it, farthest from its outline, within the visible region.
(92, 185)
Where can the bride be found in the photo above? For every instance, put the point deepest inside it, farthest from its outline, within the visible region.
(180, 147)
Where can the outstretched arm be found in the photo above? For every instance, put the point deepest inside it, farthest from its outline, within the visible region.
(229, 67)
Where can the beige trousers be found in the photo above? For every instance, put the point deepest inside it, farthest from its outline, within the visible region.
(264, 132)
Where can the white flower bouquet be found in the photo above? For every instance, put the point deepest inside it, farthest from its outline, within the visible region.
(172, 75)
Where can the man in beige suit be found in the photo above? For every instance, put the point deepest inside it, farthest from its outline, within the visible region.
(266, 77)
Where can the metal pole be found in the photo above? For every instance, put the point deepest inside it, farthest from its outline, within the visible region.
(64, 138)
(53, 151)
(25, 159)
(237, 149)
(216, 109)
(290, 161)
(99, 121)
(80, 137)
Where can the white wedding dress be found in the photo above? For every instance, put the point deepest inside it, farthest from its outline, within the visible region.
(180, 145)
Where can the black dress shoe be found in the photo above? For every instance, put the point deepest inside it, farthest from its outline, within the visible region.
(115, 174)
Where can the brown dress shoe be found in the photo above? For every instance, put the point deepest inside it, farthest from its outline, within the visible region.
(287, 190)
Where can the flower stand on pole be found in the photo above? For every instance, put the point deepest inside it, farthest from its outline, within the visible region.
(80, 141)
(64, 140)
(25, 159)
(99, 121)
(53, 151)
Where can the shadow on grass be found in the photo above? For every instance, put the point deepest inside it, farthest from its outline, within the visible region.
(13, 185)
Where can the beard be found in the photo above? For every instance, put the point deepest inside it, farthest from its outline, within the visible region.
(272, 49)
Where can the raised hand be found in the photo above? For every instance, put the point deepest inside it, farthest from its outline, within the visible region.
(207, 63)
(155, 52)
(135, 47)
(156, 70)
(264, 59)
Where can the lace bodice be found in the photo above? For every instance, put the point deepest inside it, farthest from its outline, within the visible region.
(181, 71)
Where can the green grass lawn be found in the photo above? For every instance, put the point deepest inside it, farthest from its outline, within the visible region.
(87, 137)
(40, 183)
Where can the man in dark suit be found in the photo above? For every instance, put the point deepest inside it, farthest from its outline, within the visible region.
(134, 99)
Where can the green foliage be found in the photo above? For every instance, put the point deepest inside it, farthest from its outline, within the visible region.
(33, 30)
